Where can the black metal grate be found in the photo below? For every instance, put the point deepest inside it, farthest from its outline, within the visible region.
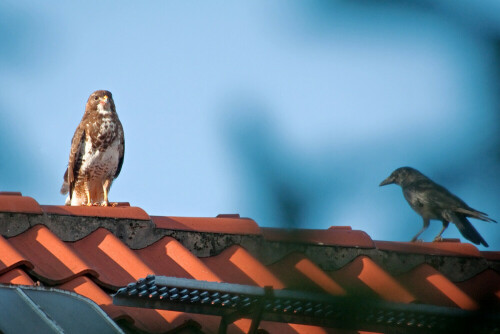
(234, 301)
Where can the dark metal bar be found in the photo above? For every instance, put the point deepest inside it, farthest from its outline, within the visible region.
(268, 295)
(223, 326)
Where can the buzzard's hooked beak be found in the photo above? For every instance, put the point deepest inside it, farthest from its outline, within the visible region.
(104, 100)
(389, 180)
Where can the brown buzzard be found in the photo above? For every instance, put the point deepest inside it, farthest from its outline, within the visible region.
(97, 151)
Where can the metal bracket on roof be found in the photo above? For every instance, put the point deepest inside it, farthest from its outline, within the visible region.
(255, 314)
(235, 301)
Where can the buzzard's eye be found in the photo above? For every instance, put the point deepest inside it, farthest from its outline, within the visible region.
(96, 97)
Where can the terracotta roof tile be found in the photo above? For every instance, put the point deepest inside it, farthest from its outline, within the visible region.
(243, 325)
(169, 258)
(116, 264)
(236, 265)
(10, 193)
(484, 288)
(15, 202)
(118, 212)
(273, 327)
(363, 273)
(221, 224)
(53, 260)
(151, 321)
(11, 257)
(16, 276)
(299, 272)
(448, 248)
(432, 287)
(86, 287)
(495, 256)
(333, 236)
(161, 321)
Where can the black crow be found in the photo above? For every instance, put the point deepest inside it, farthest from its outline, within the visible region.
(432, 201)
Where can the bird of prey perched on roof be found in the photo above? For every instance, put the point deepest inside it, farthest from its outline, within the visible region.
(432, 201)
(96, 155)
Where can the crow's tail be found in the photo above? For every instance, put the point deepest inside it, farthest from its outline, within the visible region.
(466, 228)
(475, 214)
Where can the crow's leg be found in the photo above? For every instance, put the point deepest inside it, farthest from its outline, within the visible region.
(426, 225)
(445, 226)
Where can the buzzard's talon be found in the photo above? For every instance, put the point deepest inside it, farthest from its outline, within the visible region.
(95, 204)
(438, 239)
(114, 204)
(105, 204)
(89, 204)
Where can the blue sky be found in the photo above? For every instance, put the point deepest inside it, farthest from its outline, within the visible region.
(255, 107)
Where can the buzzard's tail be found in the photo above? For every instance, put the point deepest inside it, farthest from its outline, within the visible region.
(467, 230)
(65, 188)
(65, 185)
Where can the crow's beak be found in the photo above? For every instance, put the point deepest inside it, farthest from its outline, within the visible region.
(389, 180)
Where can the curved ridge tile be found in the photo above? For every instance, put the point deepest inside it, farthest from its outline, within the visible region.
(11, 193)
(236, 265)
(430, 286)
(221, 224)
(169, 257)
(116, 264)
(298, 272)
(363, 273)
(484, 287)
(118, 212)
(491, 255)
(15, 202)
(341, 236)
(53, 260)
(430, 248)
(10, 257)
(16, 276)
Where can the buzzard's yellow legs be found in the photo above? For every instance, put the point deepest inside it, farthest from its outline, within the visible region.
(87, 192)
(105, 188)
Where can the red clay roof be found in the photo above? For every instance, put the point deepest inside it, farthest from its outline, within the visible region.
(93, 251)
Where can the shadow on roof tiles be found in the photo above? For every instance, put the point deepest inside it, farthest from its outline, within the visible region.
(116, 264)
(168, 257)
(236, 265)
(362, 276)
(54, 261)
(16, 276)
(300, 273)
(11, 258)
(430, 286)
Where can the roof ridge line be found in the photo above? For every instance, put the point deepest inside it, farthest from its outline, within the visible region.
(139, 234)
